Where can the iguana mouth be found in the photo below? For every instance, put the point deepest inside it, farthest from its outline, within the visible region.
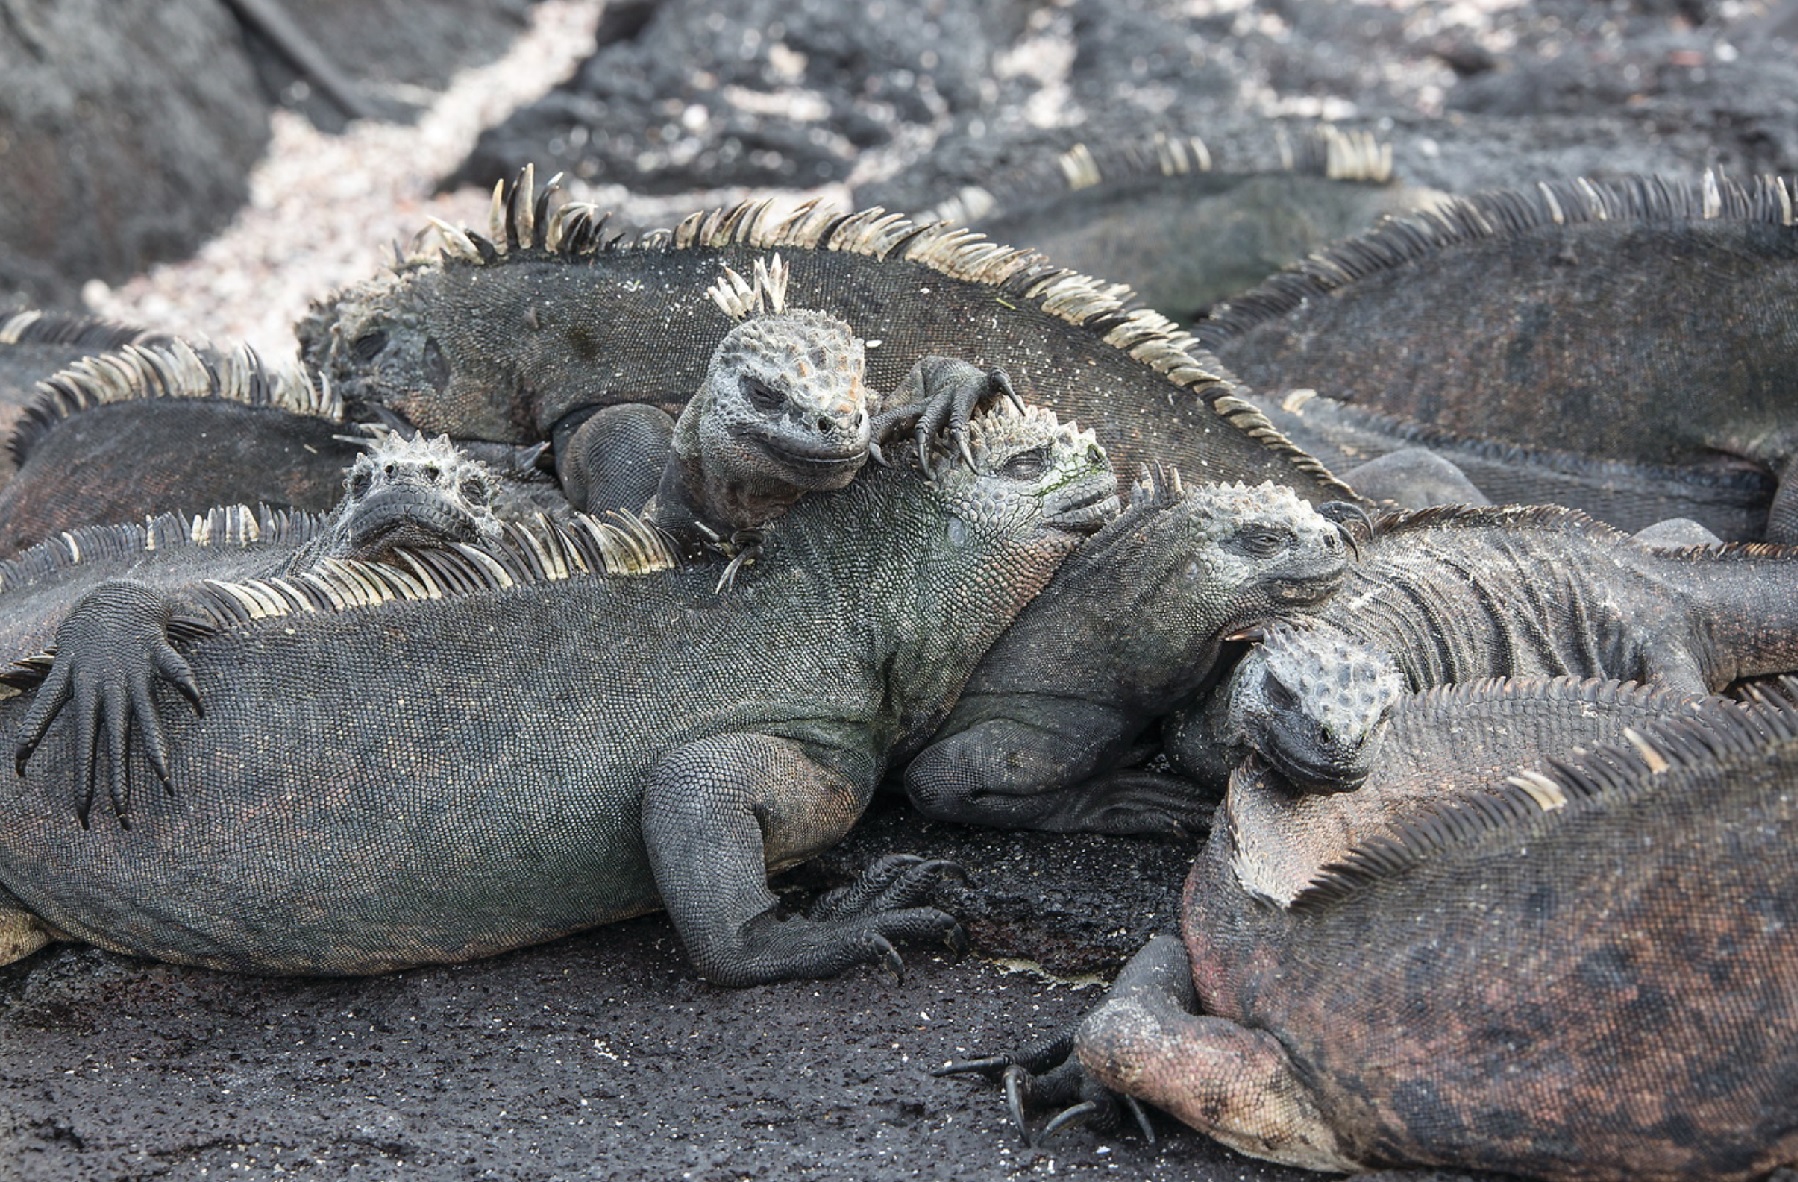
(817, 462)
(401, 517)
(1318, 777)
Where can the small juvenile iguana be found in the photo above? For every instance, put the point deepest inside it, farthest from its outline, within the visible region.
(510, 337)
(1047, 731)
(1623, 347)
(162, 428)
(1583, 971)
(506, 744)
(1184, 223)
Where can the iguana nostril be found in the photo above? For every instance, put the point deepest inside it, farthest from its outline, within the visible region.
(825, 425)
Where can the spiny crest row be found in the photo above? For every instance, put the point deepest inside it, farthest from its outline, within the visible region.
(1595, 690)
(171, 369)
(1765, 200)
(226, 525)
(1322, 151)
(1713, 733)
(1561, 519)
(62, 328)
(542, 552)
(575, 231)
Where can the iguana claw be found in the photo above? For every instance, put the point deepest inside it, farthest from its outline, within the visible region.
(1017, 1082)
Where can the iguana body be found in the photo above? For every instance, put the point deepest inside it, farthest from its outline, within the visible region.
(1458, 594)
(1185, 227)
(1589, 972)
(36, 344)
(538, 750)
(1627, 348)
(504, 338)
(167, 428)
(1046, 732)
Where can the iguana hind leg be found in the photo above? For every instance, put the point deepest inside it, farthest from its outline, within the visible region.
(613, 458)
(1232, 1083)
(718, 812)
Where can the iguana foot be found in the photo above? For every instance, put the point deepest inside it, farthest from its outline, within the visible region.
(108, 650)
(744, 547)
(1047, 1075)
(944, 393)
(884, 903)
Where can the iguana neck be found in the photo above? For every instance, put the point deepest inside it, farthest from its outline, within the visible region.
(937, 588)
(1743, 616)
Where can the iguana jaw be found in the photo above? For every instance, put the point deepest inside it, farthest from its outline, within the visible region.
(1083, 506)
(808, 466)
(409, 517)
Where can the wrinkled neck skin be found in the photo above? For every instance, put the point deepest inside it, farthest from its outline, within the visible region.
(1737, 611)
(935, 588)
(721, 483)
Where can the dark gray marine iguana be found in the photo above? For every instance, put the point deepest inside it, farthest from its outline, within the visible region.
(554, 746)
(781, 411)
(1584, 971)
(516, 335)
(34, 344)
(402, 494)
(1183, 223)
(1626, 347)
(1048, 730)
(1454, 594)
(161, 428)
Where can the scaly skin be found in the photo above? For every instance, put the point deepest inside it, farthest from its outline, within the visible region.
(1131, 626)
(1583, 974)
(541, 755)
(1548, 332)
(403, 493)
(510, 337)
(1454, 595)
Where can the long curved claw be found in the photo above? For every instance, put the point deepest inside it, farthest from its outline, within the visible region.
(1000, 380)
(1351, 521)
(957, 940)
(973, 1066)
(1017, 1082)
(52, 696)
(1141, 1116)
(178, 673)
(890, 955)
(1078, 1114)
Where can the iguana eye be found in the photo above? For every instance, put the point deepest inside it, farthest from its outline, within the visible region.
(762, 396)
(1027, 465)
(368, 346)
(1261, 542)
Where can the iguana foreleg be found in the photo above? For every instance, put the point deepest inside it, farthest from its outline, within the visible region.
(1061, 776)
(110, 650)
(719, 812)
(613, 458)
(938, 394)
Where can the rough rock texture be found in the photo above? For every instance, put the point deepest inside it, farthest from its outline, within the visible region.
(126, 137)
(755, 92)
(396, 52)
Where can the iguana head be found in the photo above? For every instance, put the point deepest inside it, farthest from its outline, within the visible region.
(1030, 471)
(411, 492)
(1309, 701)
(783, 402)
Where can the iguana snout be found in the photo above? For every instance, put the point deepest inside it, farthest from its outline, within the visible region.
(417, 493)
(1310, 701)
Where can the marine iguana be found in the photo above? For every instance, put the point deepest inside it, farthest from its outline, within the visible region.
(782, 411)
(170, 428)
(35, 344)
(1045, 733)
(1183, 224)
(1455, 594)
(555, 746)
(509, 335)
(1623, 347)
(1588, 971)
(403, 493)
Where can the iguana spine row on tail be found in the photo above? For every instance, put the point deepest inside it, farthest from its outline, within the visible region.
(522, 223)
(1323, 151)
(1402, 240)
(171, 369)
(35, 326)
